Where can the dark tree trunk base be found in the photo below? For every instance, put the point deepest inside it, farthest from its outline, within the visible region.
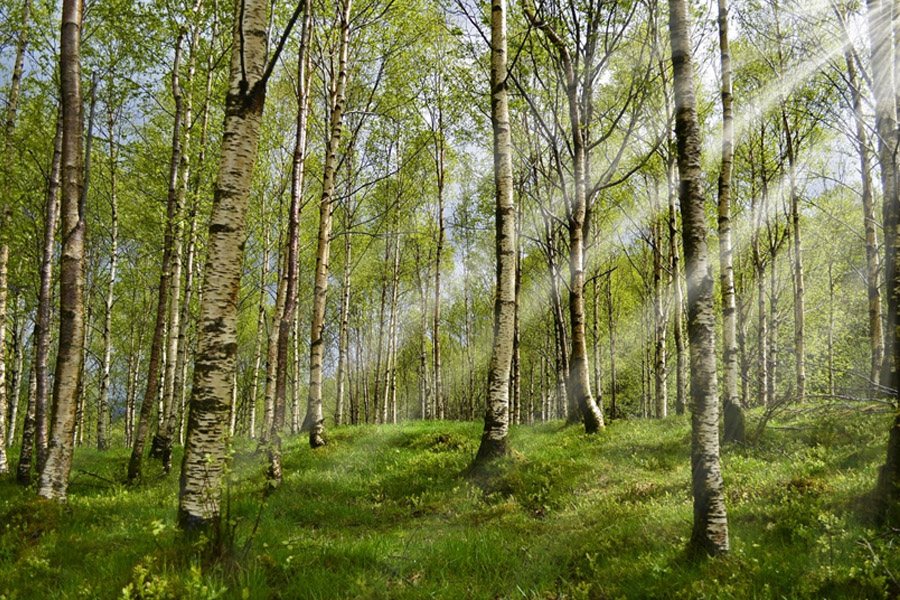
(886, 505)
(316, 440)
(734, 423)
(157, 447)
(275, 474)
(489, 450)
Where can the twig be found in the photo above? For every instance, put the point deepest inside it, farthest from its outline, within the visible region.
(100, 477)
(865, 543)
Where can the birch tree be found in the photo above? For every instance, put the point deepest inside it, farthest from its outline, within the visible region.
(734, 413)
(205, 445)
(496, 419)
(323, 247)
(710, 532)
(54, 480)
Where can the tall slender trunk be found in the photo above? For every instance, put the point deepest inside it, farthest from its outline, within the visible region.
(884, 91)
(291, 267)
(165, 439)
(469, 392)
(151, 392)
(876, 333)
(18, 373)
(12, 105)
(272, 419)
(830, 343)
(344, 334)
(660, 318)
(734, 413)
(133, 365)
(54, 480)
(424, 371)
(436, 327)
(103, 403)
(559, 324)
(34, 430)
(260, 334)
(887, 492)
(743, 321)
(645, 368)
(390, 392)
(317, 342)
(496, 419)
(352, 385)
(81, 413)
(205, 455)
(81, 389)
(295, 392)
(757, 216)
(595, 338)
(29, 402)
(710, 532)
(796, 241)
(181, 367)
(611, 325)
(579, 383)
(774, 321)
(380, 339)
(677, 297)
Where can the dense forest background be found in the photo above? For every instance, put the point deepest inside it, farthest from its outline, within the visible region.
(359, 272)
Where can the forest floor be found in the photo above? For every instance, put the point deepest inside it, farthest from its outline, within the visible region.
(383, 512)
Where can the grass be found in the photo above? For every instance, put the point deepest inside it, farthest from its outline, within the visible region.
(382, 512)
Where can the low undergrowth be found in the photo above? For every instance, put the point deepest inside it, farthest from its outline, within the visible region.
(384, 512)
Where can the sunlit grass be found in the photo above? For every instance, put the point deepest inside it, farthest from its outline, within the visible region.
(383, 512)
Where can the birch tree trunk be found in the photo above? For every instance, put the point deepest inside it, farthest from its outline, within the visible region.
(734, 413)
(18, 371)
(317, 342)
(389, 414)
(181, 368)
(103, 402)
(151, 392)
(165, 438)
(876, 333)
(439, 252)
(677, 297)
(12, 105)
(763, 323)
(496, 419)
(660, 318)
(286, 318)
(344, 334)
(884, 90)
(613, 382)
(887, 493)
(795, 252)
(271, 416)
(710, 532)
(54, 480)
(205, 444)
(579, 383)
(260, 332)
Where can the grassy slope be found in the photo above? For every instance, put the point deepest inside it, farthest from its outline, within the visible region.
(383, 513)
